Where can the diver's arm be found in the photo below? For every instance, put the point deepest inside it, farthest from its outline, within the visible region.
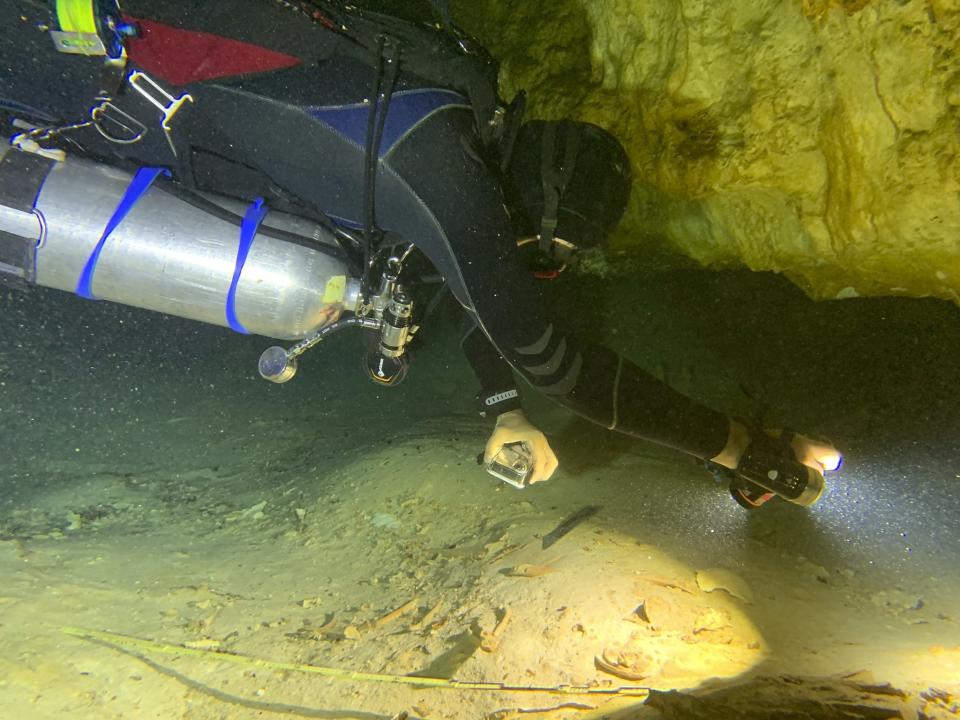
(498, 387)
(737, 442)
(819, 455)
(500, 399)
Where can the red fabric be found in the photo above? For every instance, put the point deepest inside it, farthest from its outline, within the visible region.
(180, 56)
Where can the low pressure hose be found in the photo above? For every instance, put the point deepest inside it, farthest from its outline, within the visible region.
(278, 364)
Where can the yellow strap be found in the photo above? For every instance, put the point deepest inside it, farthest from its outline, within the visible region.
(77, 16)
(127, 642)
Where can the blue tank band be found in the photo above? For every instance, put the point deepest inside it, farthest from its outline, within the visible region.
(248, 231)
(141, 182)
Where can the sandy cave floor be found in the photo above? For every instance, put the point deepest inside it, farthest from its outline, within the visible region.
(197, 558)
(228, 521)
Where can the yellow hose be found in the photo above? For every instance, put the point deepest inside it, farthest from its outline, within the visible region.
(142, 645)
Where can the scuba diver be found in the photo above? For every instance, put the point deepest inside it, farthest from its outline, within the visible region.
(284, 168)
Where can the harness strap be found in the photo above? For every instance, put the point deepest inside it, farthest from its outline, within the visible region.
(449, 58)
(22, 175)
(442, 9)
(555, 179)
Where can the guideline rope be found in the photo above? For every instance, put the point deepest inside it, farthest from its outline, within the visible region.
(128, 642)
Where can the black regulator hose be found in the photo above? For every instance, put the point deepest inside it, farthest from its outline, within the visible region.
(200, 202)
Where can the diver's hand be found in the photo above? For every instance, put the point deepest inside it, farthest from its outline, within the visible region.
(817, 454)
(512, 427)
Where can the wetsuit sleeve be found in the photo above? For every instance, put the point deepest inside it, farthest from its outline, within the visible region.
(470, 237)
(498, 388)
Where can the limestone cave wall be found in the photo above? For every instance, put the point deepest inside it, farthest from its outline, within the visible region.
(817, 138)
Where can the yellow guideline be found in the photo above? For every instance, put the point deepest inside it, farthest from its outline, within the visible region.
(142, 645)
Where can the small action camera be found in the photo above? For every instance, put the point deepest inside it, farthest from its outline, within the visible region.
(512, 464)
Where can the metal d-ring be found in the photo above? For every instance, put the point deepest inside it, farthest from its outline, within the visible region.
(107, 111)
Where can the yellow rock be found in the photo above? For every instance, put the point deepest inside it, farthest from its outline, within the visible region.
(714, 579)
(817, 138)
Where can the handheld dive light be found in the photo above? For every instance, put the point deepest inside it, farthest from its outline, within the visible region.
(769, 466)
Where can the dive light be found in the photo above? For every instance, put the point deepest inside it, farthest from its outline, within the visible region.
(769, 465)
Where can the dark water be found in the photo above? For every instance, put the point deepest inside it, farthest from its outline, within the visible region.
(878, 377)
(125, 389)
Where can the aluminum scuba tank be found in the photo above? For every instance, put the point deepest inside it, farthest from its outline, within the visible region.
(168, 254)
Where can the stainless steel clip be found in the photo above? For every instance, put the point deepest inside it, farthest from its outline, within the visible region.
(166, 103)
(116, 125)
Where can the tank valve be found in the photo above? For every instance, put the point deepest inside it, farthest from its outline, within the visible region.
(389, 313)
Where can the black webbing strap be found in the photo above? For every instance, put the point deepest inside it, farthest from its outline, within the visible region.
(555, 179)
(445, 56)
(442, 9)
(17, 266)
(21, 177)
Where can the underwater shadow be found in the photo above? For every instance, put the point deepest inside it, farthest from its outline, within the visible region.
(837, 697)
(242, 702)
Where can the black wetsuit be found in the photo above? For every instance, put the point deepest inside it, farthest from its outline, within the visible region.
(298, 130)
